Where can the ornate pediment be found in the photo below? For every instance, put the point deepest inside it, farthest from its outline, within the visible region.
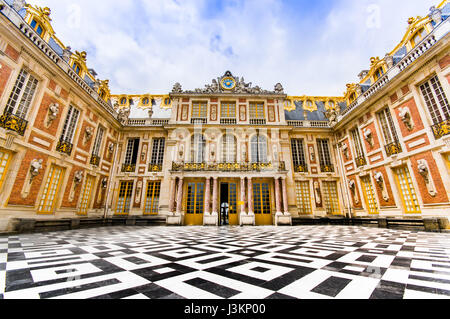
(229, 84)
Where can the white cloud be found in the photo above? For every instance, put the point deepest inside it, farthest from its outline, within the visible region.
(148, 45)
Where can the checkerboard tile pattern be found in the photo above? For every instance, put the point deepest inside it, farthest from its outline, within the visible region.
(226, 262)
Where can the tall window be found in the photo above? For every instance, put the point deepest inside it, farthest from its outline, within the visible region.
(132, 151)
(199, 109)
(70, 124)
(198, 145)
(51, 190)
(158, 151)
(303, 197)
(324, 155)
(229, 149)
(387, 126)
(152, 202)
(5, 159)
(369, 195)
(86, 196)
(98, 141)
(259, 149)
(436, 100)
(228, 110)
(407, 192)
(22, 94)
(359, 151)
(124, 200)
(298, 155)
(331, 198)
(257, 111)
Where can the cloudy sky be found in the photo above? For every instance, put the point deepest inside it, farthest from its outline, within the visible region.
(311, 47)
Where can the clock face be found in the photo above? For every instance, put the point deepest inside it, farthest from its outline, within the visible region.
(228, 83)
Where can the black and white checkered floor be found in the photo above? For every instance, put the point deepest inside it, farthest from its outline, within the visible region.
(234, 262)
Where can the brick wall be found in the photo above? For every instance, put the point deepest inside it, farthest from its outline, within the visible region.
(383, 203)
(31, 200)
(415, 116)
(5, 73)
(65, 202)
(40, 121)
(435, 175)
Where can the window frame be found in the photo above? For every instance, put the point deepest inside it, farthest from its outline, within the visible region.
(22, 95)
(70, 124)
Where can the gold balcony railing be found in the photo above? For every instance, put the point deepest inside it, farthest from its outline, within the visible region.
(301, 168)
(393, 148)
(128, 168)
(64, 147)
(441, 129)
(95, 160)
(327, 168)
(360, 161)
(13, 123)
(226, 167)
(155, 167)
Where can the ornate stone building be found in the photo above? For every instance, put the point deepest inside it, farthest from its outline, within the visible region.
(229, 153)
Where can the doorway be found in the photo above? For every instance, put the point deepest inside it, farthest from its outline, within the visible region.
(228, 204)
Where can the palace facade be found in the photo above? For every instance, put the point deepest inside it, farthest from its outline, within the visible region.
(229, 153)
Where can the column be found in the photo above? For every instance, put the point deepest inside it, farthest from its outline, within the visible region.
(173, 190)
(208, 196)
(250, 196)
(180, 196)
(214, 204)
(285, 198)
(277, 196)
(243, 195)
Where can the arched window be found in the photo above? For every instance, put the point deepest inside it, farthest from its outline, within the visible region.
(198, 145)
(123, 101)
(229, 149)
(37, 27)
(167, 102)
(76, 67)
(352, 97)
(145, 101)
(259, 149)
(102, 94)
(418, 36)
(378, 73)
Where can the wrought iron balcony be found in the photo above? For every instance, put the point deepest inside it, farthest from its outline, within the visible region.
(393, 148)
(441, 129)
(155, 167)
(128, 168)
(226, 167)
(301, 168)
(225, 121)
(95, 160)
(13, 123)
(327, 168)
(360, 161)
(64, 147)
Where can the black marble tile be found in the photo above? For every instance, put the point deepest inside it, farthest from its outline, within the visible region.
(366, 258)
(332, 286)
(279, 296)
(117, 295)
(2, 266)
(211, 287)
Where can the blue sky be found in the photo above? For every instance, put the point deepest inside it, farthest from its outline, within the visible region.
(311, 47)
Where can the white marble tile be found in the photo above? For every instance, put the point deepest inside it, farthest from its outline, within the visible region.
(269, 273)
(69, 271)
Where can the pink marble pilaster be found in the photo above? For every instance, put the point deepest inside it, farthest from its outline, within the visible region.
(173, 190)
(215, 199)
(250, 196)
(277, 195)
(180, 196)
(208, 196)
(243, 195)
(285, 199)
